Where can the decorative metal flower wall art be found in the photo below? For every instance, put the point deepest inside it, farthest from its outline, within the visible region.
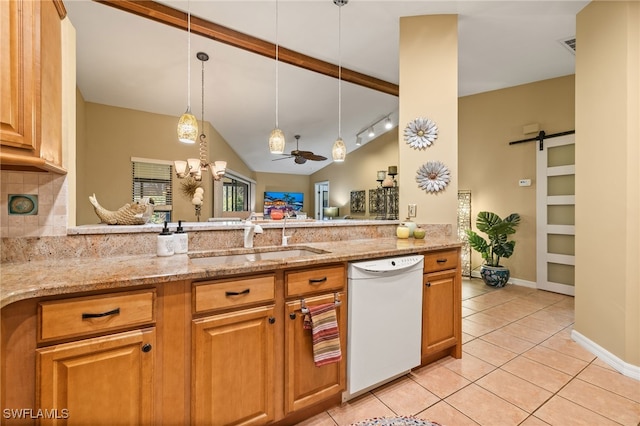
(433, 176)
(420, 133)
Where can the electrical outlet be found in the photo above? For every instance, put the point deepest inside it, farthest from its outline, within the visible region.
(524, 182)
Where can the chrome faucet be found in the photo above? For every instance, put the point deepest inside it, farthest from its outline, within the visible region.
(250, 229)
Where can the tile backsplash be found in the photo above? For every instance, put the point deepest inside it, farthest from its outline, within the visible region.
(51, 189)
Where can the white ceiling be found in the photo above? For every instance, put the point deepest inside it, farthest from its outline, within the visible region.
(128, 61)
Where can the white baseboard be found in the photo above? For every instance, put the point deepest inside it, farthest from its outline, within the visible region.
(607, 357)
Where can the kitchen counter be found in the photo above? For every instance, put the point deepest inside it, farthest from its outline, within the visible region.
(40, 278)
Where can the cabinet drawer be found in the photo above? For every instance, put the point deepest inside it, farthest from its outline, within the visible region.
(441, 260)
(95, 314)
(314, 280)
(220, 294)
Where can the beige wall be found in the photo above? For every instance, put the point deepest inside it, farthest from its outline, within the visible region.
(491, 168)
(429, 88)
(110, 136)
(608, 177)
(358, 172)
(283, 182)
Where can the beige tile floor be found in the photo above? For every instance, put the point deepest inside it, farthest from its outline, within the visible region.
(519, 367)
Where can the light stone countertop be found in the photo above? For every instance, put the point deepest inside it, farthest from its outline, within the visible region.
(19, 281)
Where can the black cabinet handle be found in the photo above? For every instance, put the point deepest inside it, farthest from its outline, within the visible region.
(428, 284)
(314, 281)
(441, 261)
(115, 311)
(235, 293)
(292, 315)
(146, 347)
(272, 320)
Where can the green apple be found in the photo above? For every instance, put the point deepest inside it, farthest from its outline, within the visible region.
(419, 233)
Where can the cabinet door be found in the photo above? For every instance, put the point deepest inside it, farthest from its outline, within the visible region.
(232, 377)
(306, 384)
(440, 311)
(20, 76)
(31, 85)
(100, 381)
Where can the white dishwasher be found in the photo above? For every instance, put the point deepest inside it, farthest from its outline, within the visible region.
(385, 321)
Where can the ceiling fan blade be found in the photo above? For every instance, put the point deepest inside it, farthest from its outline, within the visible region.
(283, 158)
(315, 157)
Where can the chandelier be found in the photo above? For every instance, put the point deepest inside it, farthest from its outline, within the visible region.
(194, 167)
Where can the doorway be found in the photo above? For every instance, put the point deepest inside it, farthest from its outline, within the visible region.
(321, 198)
(555, 205)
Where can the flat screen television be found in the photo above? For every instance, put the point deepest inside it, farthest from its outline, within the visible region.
(287, 202)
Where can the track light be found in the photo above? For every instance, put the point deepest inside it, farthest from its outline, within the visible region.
(358, 140)
(371, 132)
(388, 124)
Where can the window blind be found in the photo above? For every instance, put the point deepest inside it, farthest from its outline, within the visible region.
(153, 180)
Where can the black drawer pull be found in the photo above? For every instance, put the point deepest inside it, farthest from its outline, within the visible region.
(236, 293)
(272, 320)
(115, 311)
(292, 315)
(441, 261)
(314, 281)
(146, 347)
(428, 284)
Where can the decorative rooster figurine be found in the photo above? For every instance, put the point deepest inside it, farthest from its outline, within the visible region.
(137, 213)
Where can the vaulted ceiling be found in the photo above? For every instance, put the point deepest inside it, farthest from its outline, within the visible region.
(127, 60)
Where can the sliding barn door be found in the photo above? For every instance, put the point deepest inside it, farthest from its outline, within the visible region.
(556, 215)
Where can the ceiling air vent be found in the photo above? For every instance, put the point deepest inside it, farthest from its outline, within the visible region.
(570, 44)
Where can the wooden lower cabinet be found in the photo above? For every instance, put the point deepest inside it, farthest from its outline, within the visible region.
(441, 312)
(306, 384)
(99, 381)
(232, 376)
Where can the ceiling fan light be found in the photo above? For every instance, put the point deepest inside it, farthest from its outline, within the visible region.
(339, 151)
(187, 128)
(276, 141)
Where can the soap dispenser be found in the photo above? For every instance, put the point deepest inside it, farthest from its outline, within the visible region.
(180, 240)
(165, 242)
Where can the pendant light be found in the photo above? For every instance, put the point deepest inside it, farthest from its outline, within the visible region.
(188, 124)
(339, 150)
(276, 138)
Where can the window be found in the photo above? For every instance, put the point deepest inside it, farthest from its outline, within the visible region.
(152, 178)
(236, 194)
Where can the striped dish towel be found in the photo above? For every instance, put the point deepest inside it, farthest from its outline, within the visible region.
(322, 321)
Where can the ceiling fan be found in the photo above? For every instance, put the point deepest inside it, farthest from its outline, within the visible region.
(301, 157)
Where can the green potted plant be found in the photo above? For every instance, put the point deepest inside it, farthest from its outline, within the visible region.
(498, 247)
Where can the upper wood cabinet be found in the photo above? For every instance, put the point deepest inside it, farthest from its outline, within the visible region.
(31, 85)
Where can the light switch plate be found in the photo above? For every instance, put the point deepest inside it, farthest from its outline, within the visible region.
(412, 210)
(524, 182)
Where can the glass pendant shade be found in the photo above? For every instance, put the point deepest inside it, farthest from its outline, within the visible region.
(187, 128)
(276, 141)
(181, 168)
(339, 150)
(219, 168)
(194, 165)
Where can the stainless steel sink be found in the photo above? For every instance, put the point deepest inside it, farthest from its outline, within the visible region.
(255, 255)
